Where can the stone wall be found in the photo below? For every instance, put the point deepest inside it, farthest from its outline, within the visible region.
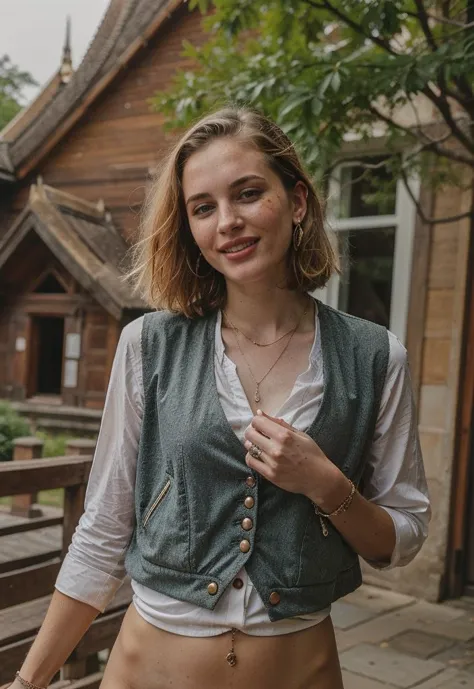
(438, 399)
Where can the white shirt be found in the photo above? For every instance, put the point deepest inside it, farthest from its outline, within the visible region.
(93, 569)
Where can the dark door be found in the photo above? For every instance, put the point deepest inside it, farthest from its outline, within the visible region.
(469, 573)
(48, 340)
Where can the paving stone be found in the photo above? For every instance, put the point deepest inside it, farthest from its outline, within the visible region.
(345, 615)
(380, 600)
(461, 630)
(449, 679)
(352, 681)
(374, 631)
(420, 644)
(383, 664)
(430, 613)
(459, 655)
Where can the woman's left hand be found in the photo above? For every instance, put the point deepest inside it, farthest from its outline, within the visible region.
(293, 461)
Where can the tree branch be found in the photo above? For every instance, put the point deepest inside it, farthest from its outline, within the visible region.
(424, 22)
(443, 106)
(420, 211)
(421, 137)
(326, 5)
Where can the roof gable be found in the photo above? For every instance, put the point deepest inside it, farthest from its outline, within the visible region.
(94, 257)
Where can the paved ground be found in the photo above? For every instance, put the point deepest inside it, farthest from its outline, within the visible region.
(390, 641)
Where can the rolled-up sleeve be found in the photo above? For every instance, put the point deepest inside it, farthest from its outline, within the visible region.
(394, 477)
(93, 568)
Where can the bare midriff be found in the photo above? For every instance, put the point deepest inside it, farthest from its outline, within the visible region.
(145, 657)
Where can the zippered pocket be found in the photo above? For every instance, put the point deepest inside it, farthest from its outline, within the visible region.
(157, 501)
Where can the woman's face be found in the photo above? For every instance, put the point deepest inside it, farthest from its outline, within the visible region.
(239, 212)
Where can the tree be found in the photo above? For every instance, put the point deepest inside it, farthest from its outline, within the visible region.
(327, 70)
(12, 81)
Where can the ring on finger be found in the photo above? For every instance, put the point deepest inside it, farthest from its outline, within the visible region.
(255, 451)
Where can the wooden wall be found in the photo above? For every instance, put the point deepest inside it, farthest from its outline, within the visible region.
(441, 351)
(108, 154)
(82, 315)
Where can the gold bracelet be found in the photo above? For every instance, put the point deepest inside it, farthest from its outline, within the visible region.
(345, 504)
(26, 684)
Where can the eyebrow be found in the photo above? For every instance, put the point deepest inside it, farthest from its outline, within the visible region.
(238, 182)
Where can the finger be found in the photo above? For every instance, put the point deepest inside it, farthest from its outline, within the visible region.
(258, 466)
(279, 421)
(255, 438)
(270, 427)
(276, 419)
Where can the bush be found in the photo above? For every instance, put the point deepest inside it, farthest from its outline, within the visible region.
(12, 426)
(54, 445)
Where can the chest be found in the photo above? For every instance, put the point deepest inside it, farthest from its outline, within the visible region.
(268, 373)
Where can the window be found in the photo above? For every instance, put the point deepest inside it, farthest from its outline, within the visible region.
(374, 235)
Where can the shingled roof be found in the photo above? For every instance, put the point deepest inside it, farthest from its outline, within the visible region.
(82, 237)
(126, 27)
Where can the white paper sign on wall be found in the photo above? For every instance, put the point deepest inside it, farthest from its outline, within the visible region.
(70, 373)
(20, 344)
(73, 346)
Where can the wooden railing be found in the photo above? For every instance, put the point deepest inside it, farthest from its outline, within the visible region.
(26, 587)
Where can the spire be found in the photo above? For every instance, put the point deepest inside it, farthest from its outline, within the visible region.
(66, 70)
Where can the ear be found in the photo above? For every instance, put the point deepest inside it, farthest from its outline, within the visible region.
(300, 204)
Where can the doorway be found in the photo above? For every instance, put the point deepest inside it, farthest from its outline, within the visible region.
(468, 588)
(47, 356)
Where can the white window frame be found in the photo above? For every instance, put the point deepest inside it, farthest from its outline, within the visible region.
(403, 220)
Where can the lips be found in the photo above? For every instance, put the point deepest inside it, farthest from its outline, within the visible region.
(238, 245)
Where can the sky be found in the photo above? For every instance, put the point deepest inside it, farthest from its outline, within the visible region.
(32, 33)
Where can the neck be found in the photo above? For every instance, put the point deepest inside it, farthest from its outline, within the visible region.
(265, 313)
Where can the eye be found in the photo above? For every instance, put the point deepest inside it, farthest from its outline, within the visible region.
(200, 210)
(250, 193)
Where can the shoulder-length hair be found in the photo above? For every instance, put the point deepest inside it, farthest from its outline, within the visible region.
(165, 259)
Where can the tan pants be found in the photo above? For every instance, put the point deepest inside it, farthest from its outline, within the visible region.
(145, 657)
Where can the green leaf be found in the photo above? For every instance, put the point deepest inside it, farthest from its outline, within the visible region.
(316, 105)
(293, 102)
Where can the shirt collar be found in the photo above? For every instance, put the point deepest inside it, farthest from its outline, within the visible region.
(315, 349)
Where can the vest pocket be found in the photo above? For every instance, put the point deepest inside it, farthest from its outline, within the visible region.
(161, 495)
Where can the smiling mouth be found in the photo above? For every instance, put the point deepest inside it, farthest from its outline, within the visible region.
(240, 247)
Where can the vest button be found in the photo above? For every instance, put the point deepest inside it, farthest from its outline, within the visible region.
(212, 588)
(250, 481)
(245, 545)
(247, 524)
(274, 598)
(249, 502)
(237, 583)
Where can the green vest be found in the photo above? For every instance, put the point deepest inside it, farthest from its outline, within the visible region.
(193, 486)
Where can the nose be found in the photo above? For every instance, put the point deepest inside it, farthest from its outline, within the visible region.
(228, 218)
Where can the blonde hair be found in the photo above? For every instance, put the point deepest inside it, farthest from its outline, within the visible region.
(165, 256)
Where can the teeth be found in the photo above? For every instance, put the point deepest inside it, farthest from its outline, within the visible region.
(239, 247)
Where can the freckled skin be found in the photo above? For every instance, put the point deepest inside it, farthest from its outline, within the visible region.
(256, 208)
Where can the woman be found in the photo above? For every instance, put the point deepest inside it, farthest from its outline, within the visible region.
(239, 422)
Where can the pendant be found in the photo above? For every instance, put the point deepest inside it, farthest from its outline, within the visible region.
(324, 528)
(257, 394)
(231, 658)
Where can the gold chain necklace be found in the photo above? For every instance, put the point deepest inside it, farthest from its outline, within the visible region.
(258, 382)
(259, 344)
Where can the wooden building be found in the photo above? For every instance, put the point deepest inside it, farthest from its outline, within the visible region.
(63, 300)
(92, 139)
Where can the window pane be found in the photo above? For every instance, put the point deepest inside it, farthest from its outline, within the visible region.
(367, 269)
(366, 191)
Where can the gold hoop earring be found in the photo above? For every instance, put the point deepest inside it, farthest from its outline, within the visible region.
(297, 236)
